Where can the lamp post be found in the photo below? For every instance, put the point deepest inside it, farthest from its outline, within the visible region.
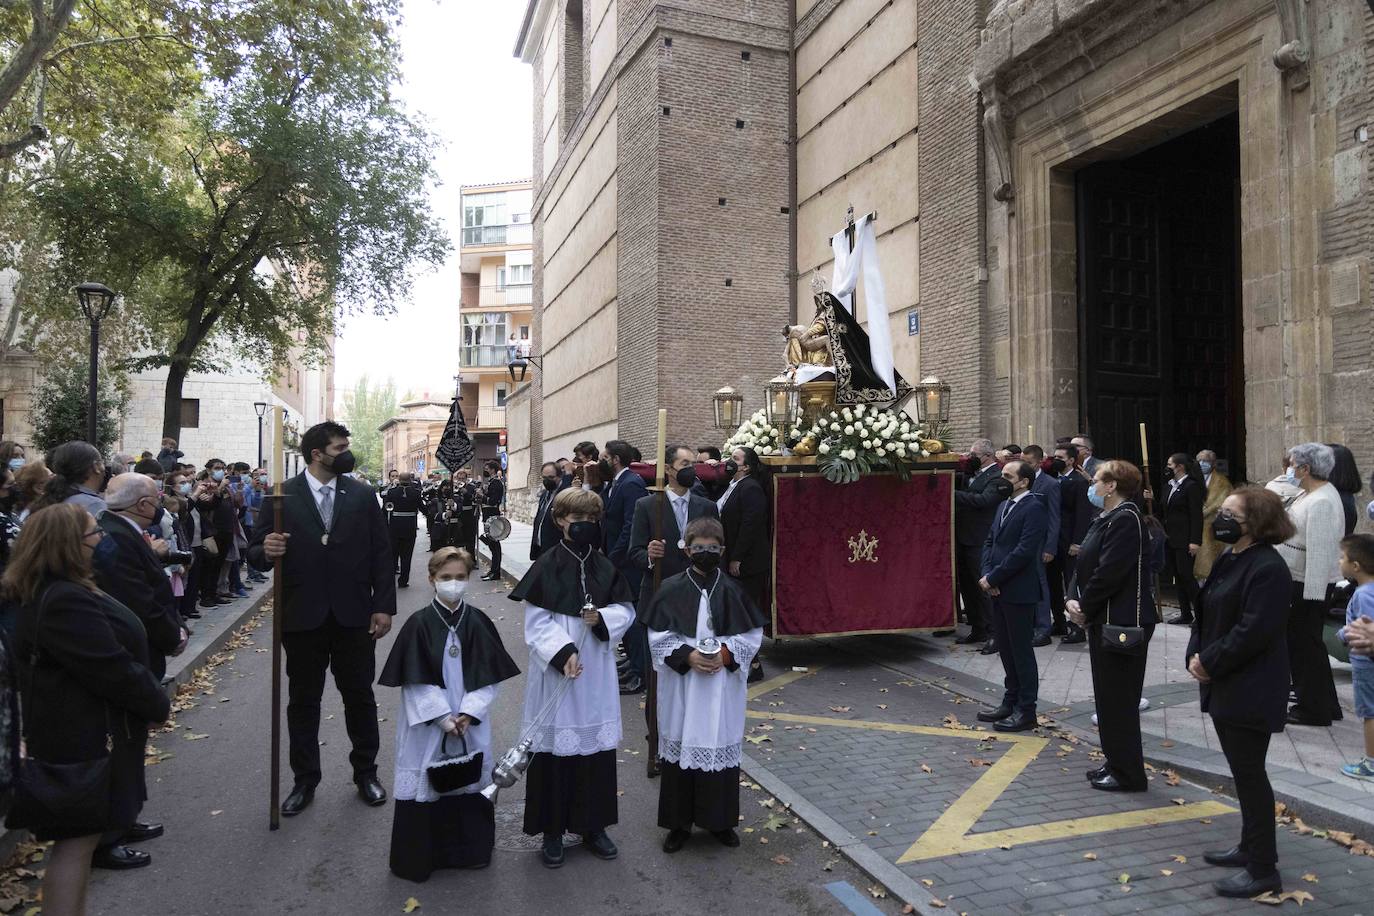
(95, 300)
(261, 408)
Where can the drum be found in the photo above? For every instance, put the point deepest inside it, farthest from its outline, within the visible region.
(497, 528)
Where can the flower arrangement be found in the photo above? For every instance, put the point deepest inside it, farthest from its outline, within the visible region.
(756, 433)
(860, 440)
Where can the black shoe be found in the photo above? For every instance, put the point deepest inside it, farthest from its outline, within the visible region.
(726, 837)
(403, 585)
(1099, 772)
(190, 615)
(141, 832)
(600, 845)
(552, 852)
(491, 576)
(1184, 620)
(1235, 857)
(1296, 717)
(1074, 637)
(941, 634)
(299, 799)
(1059, 629)
(1042, 640)
(971, 638)
(1110, 783)
(1016, 722)
(120, 858)
(675, 840)
(995, 715)
(370, 790)
(755, 673)
(1243, 885)
(989, 648)
(632, 684)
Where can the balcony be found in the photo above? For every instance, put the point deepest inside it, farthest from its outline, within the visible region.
(491, 418)
(512, 234)
(485, 357)
(515, 294)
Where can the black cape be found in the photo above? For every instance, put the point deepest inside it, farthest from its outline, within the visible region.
(554, 582)
(856, 382)
(417, 656)
(674, 607)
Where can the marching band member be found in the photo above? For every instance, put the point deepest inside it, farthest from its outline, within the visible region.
(703, 631)
(577, 606)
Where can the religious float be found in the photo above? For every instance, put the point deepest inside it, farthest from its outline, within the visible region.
(862, 493)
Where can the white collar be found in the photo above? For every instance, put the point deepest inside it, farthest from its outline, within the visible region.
(675, 498)
(316, 485)
(623, 472)
(1020, 496)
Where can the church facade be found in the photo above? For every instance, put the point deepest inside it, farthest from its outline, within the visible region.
(1090, 213)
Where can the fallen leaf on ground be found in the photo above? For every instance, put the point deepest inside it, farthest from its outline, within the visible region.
(774, 822)
(1178, 801)
(411, 905)
(781, 860)
(757, 739)
(1165, 872)
(1004, 846)
(840, 708)
(1205, 820)
(195, 737)
(877, 891)
(1310, 878)
(1171, 778)
(1181, 860)
(217, 813)
(927, 882)
(938, 903)
(925, 768)
(1122, 878)
(1090, 856)
(882, 706)
(830, 866)
(979, 762)
(1273, 899)
(908, 909)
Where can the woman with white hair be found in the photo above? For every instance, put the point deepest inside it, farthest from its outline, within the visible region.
(1313, 557)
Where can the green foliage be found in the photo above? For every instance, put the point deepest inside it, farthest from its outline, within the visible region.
(59, 410)
(366, 408)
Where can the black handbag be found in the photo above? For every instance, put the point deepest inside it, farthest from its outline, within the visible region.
(1128, 640)
(452, 772)
(66, 799)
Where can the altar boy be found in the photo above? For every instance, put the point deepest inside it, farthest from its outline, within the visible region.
(577, 606)
(703, 631)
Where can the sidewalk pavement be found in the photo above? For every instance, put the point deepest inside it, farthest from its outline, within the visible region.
(213, 630)
(515, 551)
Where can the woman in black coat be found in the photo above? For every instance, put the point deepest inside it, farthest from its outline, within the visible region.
(1239, 656)
(1111, 586)
(1345, 477)
(86, 690)
(748, 547)
(1182, 506)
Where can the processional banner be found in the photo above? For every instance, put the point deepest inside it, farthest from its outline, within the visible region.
(871, 556)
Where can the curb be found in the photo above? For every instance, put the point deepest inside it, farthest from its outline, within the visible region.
(875, 866)
(187, 669)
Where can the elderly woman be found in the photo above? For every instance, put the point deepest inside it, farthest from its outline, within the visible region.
(88, 695)
(1238, 658)
(1218, 488)
(1313, 558)
(1111, 587)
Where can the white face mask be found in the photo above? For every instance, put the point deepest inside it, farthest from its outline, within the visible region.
(450, 591)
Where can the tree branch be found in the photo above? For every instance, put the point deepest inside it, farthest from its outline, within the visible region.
(36, 133)
(43, 34)
(123, 39)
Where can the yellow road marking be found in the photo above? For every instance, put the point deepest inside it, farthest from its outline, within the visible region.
(950, 834)
(782, 680)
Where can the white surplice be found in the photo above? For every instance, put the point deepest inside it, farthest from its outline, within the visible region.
(587, 720)
(701, 716)
(418, 742)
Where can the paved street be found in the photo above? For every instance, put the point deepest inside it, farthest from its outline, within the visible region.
(219, 857)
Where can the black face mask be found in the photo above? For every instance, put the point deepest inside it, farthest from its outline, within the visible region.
(974, 464)
(584, 534)
(1057, 466)
(550, 485)
(1226, 530)
(731, 469)
(706, 562)
(686, 477)
(157, 517)
(606, 472)
(343, 463)
(7, 502)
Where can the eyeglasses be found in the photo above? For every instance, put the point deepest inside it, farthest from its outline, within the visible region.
(98, 532)
(1227, 513)
(705, 548)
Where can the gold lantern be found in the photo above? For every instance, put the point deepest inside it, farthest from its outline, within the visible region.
(728, 406)
(932, 402)
(782, 405)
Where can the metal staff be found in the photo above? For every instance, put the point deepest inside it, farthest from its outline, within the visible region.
(278, 604)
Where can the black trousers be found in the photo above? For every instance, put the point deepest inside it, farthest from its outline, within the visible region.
(695, 797)
(403, 548)
(351, 654)
(1245, 750)
(466, 533)
(968, 570)
(208, 578)
(1180, 564)
(1308, 661)
(495, 547)
(1012, 626)
(1118, 681)
(1059, 572)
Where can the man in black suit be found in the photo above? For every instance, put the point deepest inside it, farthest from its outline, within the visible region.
(544, 533)
(975, 504)
(340, 586)
(1183, 529)
(1012, 578)
(493, 495)
(1075, 515)
(626, 489)
(660, 519)
(402, 503)
(132, 574)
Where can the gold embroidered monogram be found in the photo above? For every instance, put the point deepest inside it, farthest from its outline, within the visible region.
(862, 547)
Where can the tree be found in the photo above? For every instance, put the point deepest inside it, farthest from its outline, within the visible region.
(366, 408)
(59, 409)
(293, 191)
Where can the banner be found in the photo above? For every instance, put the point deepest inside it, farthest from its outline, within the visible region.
(455, 445)
(872, 556)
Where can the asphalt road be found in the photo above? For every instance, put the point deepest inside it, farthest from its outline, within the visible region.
(218, 856)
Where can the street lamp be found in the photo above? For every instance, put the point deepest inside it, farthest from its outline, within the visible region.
(95, 299)
(521, 364)
(261, 408)
(727, 405)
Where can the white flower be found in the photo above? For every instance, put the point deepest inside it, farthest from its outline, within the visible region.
(867, 443)
(859, 409)
(834, 416)
(824, 448)
(925, 454)
(849, 430)
(906, 427)
(880, 452)
(772, 430)
(900, 450)
(847, 454)
(766, 450)
(821, 423)
(848, 414)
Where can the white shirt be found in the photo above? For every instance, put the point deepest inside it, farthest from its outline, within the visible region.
(1011, 503)
(317, 489)
(724, 497)
(679, 505)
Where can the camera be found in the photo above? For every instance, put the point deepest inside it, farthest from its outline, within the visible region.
(178, 558)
